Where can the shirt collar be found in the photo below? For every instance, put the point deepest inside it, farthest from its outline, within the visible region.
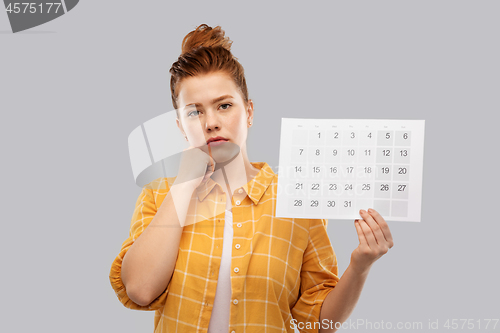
(255, 188)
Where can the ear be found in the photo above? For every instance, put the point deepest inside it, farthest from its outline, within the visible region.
(179, 125)
(249, 111)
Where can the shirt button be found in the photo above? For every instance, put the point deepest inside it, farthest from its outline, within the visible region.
(237, 202)
(236, 269)
(237, 246)
(240, 191)
(235, 301)
(233, 331)
(239, 225)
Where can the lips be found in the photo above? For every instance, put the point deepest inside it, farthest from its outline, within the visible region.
(216, 139)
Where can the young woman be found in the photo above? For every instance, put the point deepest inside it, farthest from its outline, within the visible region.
(206, 251)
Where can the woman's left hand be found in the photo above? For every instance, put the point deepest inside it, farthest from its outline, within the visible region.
(375, 240)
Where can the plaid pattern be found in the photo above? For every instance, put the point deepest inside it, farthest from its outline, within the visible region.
(281, 267)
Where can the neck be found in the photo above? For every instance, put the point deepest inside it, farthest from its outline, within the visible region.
(237, 173)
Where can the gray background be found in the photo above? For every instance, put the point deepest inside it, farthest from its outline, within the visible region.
(73, 89)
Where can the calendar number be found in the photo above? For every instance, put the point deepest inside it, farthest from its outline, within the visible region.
(402, 171)
(403, 152)
(365, 187)
(330, 203)
(384, 187)
(347, 203)
(386, 152)
(314, 203)
(297, 202)
(403, 138)
(299, 186)
(333, 187)
(315, 187)
(401, 188)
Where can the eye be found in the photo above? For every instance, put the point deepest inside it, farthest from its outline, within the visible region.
(195, 112)
(225, 106)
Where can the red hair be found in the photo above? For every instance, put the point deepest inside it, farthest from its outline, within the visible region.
(206, 50)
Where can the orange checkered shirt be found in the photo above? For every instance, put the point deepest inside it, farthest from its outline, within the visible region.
(286, 266)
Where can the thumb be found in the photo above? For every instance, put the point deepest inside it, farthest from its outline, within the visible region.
(210, 169)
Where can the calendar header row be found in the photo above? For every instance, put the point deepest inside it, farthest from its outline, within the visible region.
(346, 124)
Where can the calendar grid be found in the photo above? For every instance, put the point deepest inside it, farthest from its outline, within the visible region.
(332, 168)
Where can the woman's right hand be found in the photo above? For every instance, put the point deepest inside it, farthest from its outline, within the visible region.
(196, 167)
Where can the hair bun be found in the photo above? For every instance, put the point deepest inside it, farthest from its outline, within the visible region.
(205, 36)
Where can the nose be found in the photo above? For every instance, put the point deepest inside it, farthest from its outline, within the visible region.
(212, 121)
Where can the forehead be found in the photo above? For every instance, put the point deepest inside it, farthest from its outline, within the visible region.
(202, 89)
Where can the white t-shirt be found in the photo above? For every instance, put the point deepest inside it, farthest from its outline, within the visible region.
(219, 321)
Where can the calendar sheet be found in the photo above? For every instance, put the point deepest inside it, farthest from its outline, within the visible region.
(332, 168)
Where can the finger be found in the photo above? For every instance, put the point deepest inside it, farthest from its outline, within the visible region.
(211, 159)
(205, 148)
(211, 164)
(207, 176)
(367, 232)
(210, 169)
(361, 235)
(383, 226)
(376, 230)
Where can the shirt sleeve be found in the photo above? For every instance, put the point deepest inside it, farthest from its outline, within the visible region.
(144, 212)
(319, 276)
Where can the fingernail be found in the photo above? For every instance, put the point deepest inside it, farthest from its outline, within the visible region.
(361, 211)
(370, 210)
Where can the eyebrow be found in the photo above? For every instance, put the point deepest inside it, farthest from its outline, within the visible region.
(215, 100)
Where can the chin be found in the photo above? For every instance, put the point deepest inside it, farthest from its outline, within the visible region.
(225, 153)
